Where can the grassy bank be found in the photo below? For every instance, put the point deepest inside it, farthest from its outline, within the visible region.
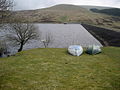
(55, 69)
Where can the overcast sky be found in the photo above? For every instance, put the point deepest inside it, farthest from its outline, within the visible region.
(37, 4)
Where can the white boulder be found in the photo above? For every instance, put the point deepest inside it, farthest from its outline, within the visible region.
(75, 50)
(93, 49)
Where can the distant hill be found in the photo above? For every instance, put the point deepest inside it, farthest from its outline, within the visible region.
(66, 13)
(97, 7)
(65, 7)
(112, 11)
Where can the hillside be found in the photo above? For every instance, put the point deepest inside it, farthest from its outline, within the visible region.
(55, 69)
(112, 11)
(106, 36)
(97, 7)
(66, 13)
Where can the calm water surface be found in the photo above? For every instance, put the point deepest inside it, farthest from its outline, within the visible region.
(63, 35)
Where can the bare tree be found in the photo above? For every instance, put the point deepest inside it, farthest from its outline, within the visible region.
(5, 6)
(20, 34)
(48, 39)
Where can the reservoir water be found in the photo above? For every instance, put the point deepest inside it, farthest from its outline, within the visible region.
(63, 35)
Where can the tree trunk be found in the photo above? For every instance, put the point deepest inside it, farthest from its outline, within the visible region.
(21, 47)
(45, 44)
(0, 54)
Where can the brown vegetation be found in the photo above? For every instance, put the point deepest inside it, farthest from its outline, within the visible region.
(71, 14)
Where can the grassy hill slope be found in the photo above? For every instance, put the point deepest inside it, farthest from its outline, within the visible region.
(51, 69)
(112, 11)
(66, 13)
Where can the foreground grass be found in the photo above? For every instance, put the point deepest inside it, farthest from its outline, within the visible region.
(55, 69)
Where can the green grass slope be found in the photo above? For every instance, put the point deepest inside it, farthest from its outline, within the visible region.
(55, 69)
